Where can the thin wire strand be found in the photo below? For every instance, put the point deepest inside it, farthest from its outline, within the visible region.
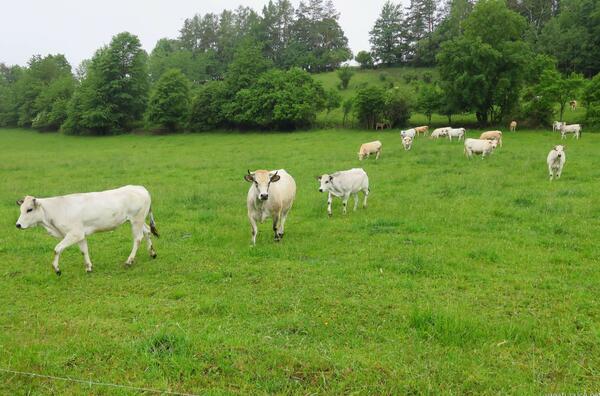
(79, 381)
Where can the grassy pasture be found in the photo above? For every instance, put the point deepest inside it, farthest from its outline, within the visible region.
(461, 277)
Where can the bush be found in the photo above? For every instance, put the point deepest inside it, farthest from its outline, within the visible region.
(365, 59)
(410, 77)
(169, 102)
(332, 100)
(207, 109)
(369, 105)
(397, 107)
(345, 75)
(427, 77)
(383, 77)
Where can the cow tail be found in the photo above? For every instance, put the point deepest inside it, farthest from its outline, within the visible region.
(153, 224)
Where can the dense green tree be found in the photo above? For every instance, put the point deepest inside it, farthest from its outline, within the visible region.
(369, 105)
(169, 103)
(591, 98)
(397, 110)
(484, 68)
(113, 95)
(388, 36)
(169, 54)
(51, 104)
(345, 74)
(537, 13)
(277, 24)
(9, 106)
(248, 63)
(559, 89)
(333, 100)
(347, 106)
(422, 18)
(429, 100)
(208, 106)
(365, 59)
(573, 37)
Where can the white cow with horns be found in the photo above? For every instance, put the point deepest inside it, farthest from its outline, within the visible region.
(342, 184)
(271, 194)
(73, 217)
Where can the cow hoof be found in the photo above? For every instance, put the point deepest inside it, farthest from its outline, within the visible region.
(58, 273)
(153, 255)
(128, 264)
(88, 271)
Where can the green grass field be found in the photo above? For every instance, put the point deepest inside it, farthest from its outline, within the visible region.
(462, 277)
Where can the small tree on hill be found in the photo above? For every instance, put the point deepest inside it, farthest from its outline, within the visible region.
(345, 75)
(169, 102)
(365, 59)
(560, 89)
(369, 105)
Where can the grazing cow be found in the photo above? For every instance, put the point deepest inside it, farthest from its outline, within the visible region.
(73, 217)
(367, 149)
(272, 195)
(492, 135)
(342, 184)
(575, 129)
(382, 125)
(439, 132)
(557, 126)
(513, 126)
(409, 132)
(456, 132)
(573, 105)
(556, 160)
(422, 130)
(407, 142)
(479, 146)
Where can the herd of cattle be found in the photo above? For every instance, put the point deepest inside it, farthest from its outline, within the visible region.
(72, 218)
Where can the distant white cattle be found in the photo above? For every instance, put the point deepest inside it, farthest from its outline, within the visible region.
(271, 194)
(575, 129)
(513, 126)
(456, 132)
(557, 126)
(407, 142)
(342, 184)
(479, 146)
(409, 132)
(492, 135)
(422, 130)
(439, 132)
(556, 160)
(367, 149)
(73, 217)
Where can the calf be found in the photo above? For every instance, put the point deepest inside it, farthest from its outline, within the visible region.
(492, 135)
(456, 132)
(575, 129)
(556, 160)
(73, 217)
(369, 148)
(479, 146)
(407, 142)
(271, 194)
(342, 184)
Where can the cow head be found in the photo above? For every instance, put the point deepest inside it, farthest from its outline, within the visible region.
(560, 149)
(326, 182)
(31, 213)
(262, 179)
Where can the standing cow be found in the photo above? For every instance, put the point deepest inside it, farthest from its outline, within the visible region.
(409, 132)
(342, 184)
(422, 130)
(73, 217)
(367, 149)
(556, 161)
(407, 143)
(439, 132)
(575, 129)
(456, 132)
(492, 135)
(513, 126)
(271, 194)
(479, 146)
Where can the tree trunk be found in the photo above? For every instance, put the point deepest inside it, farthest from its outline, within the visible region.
(562, 110)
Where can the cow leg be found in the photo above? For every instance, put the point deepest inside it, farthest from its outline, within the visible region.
(68, 240)
(366, 192)
(378, 153)
(276, 222)
(551, 172)
(83, 246)
(137, 230)
(329, 200)
(254, 229)
(149, 244)
(345, 202)
(355, 201)
(281, 229)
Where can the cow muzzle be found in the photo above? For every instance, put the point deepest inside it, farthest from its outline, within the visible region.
(264, 197)
(320, 190)
(19, 226)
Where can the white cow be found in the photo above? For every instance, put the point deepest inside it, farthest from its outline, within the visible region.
(342, 184)
(73, 217)
(456, 132)
(492, 135)
(575, 129)
(407, 142)
(479, 146)
(409, 132)
(557, 126)
(556, 160)
(272, 195)
(439, 132)
(367, 149)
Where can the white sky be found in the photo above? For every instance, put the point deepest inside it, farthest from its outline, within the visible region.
(77, 28)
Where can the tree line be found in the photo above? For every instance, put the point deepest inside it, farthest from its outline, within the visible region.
(242, 69)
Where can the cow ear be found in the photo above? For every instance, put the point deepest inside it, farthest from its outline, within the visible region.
(319, 178)
(330, 178)
(20, 202)
(275, 178)
(249, 178)
(35, 202)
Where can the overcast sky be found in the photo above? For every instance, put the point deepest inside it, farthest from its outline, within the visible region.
(77, 28)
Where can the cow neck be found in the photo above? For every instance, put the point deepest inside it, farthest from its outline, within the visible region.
(47, 223)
